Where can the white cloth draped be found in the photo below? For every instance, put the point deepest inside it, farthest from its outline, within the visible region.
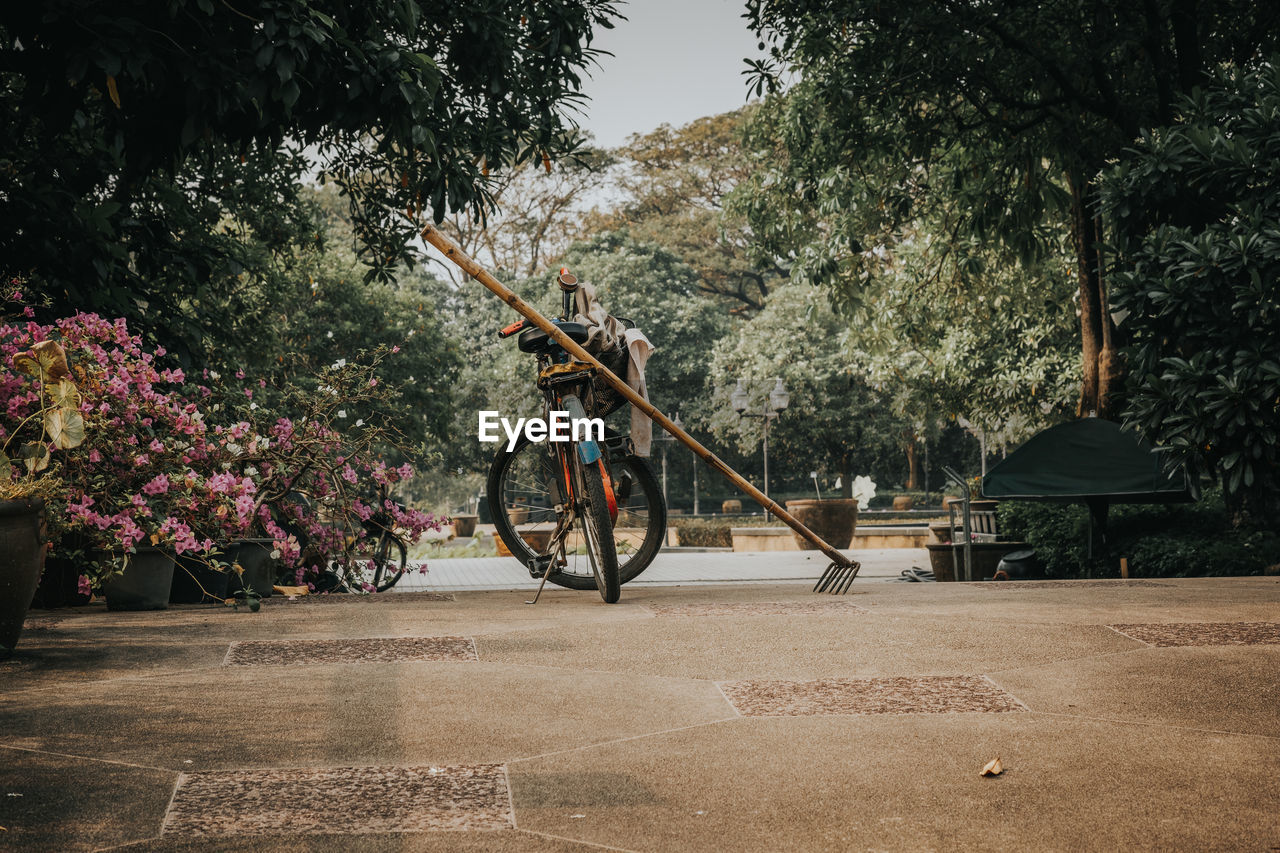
(605, 333)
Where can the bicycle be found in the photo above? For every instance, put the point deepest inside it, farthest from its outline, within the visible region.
(377, 558)
(556, 502)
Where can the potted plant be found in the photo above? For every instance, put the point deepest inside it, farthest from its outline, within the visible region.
(834, 519)
(41, 416)
(146, 486)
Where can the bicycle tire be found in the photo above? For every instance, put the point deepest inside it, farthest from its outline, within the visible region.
(597, 527)
(526, 473)
(390, 559)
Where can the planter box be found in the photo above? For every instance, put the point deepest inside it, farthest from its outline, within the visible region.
(254, 556)
(986, 556)
(196, 583)
(864, 538)
(145, 583)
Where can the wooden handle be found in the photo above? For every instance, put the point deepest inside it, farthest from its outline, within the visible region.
(455, 254)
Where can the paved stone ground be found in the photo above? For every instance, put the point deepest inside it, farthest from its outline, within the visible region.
(707, 716)
(672, 568)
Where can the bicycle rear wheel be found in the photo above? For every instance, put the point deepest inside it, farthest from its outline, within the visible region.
(524, 489)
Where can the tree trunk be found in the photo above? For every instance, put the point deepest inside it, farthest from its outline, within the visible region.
(1101, 368)
(846, 476)
(913, 462)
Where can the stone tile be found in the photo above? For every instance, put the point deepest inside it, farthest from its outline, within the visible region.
(343, 801)
(1172, 634)
(938, 694)
(342, 715)
(763, 608)
(375, 650)
(866, 645)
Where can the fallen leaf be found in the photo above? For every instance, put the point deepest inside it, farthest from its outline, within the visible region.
(993, 768)
(113, 91)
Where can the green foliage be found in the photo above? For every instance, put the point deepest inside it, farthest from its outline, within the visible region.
(675, 183)
(1199, 261)
(1057, 532)
(835, 423)
(133, 134)
(1185, 540)
(703, 533)
(988, 120)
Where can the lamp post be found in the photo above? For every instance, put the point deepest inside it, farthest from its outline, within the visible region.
(666, 438)
(772, 407)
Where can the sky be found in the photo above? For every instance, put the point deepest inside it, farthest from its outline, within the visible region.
(673, 61)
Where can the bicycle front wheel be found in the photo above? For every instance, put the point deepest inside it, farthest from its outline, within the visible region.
(597, 527)
(524, 489)
(380, 559)
(390, 559)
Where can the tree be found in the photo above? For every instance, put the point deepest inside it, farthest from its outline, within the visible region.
(1039, 95)
(674, 183)
(836, 422)
(128, 131)
(537, 214)
(1196, 275)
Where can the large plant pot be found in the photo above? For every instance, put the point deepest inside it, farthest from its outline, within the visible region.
(939, 532)
(195, 583)
(834, 520)
(254, 556)
(22, 552)
(145, 583)
(942, 561)
(464, 526)
(946, 560)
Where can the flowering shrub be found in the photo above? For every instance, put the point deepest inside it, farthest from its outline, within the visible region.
(323, 489)
(152, 470)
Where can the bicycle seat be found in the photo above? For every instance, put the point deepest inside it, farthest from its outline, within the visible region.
(536, 340)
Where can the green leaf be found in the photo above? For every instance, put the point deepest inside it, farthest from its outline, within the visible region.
(65, 427)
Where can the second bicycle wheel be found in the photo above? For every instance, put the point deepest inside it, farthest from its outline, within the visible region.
(523, 491)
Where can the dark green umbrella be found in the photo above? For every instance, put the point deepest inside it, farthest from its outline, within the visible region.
(1092, 461)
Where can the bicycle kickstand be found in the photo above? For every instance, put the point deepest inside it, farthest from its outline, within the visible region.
(546, 573)
(546, 562)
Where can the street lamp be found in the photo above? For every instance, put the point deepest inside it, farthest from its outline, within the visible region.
(666, 438)
(772, 407)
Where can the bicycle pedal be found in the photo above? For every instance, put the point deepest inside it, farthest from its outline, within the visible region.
(538, 567)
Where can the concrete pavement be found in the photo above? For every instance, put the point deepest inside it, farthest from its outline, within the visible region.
(705, 716)
(672, 567)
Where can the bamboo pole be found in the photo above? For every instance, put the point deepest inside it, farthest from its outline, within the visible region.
(455, 254)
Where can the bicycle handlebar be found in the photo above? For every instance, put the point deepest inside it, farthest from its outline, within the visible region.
(512, 329)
